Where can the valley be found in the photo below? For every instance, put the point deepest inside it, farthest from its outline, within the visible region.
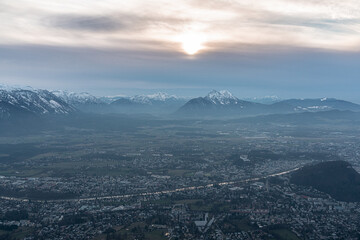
(135, 175)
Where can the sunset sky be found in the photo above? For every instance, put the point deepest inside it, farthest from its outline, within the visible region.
(292, 48)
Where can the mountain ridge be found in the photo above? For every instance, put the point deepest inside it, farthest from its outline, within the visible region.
(224, 104)
(31, 102)
(216, 104)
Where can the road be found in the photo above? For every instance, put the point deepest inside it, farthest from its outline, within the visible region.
(151, 193)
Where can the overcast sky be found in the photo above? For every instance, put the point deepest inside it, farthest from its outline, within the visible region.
(288, 48)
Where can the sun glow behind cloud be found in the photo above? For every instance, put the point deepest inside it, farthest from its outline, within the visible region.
(134, 24)
(191, 44)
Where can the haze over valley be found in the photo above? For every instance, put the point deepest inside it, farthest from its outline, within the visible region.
(140, 166)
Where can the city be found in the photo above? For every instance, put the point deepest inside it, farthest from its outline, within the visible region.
(132, 187)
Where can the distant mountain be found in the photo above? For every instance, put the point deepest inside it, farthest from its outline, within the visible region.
(222, 97)
(219, 104)
(154, 103)
(77, 98)
(216, 104)
(337, 178)
(152, 99)
(84, 101)
(21, 102)
(223, 104)
(315, 105)
(346, 119)
(6, 87)
(264, 100)
(110, 99)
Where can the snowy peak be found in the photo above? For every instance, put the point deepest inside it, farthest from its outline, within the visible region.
(321, 104)
(37, 102)
(77, 98)
(222, 97)
(152, 99)
(156, 97)
(264, 100)
(6, 87)
(218, 104)
(161, 96)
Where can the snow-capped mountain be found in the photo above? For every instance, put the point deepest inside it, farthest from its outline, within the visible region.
(84, 101)
(217, 103)
(152, 98)
(222, 97)
(110, 99)
(77, 98)
(6, 87)
(153, 103)
(264, 100)
(224, 104)
(18, 101)
(320, 104)
(39, 102)
(156, 98)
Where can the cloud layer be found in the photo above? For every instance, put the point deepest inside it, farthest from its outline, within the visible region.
(290, 48)
(158, 24)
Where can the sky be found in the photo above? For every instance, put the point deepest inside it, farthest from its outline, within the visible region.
(288, 48)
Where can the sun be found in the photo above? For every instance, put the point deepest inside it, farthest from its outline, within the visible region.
(192, 43)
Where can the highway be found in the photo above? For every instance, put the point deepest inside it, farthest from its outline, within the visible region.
(150, 193)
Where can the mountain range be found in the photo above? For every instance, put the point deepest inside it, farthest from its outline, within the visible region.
(264, 100)
(77, 98)
(23, 102)
(224, 104)
(158, 103)
(216, 104)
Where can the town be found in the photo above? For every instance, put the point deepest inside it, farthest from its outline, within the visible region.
(230, 185)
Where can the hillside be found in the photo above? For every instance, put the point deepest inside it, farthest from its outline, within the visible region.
(337, 178)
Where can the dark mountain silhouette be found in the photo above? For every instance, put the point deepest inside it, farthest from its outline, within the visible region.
(337, 178)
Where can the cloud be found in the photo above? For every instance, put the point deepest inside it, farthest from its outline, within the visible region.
(247, 43)
(87, 23)
(274, 69)
(111, 24)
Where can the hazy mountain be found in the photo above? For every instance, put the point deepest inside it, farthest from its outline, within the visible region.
(77, 98)
(264, 100)
(333, 117)
(6, 87)
(21, 102)
(337, 178)
(110, 99)
(83, 101)
(315, 105)
(223, 104)
(152, 99)
(216, 104)
(222, 97)
(219, 104)
(162, 103)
